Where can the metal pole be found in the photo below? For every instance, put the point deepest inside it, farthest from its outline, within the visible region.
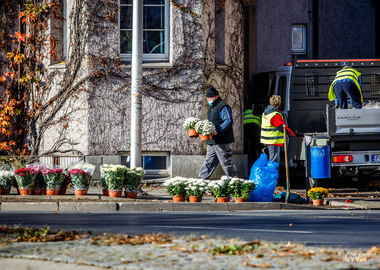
(137, 50)
(286, 166)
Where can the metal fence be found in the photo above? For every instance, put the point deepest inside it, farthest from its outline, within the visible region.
(50, 161)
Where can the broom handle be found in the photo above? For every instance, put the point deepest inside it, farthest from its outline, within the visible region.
(286, 166)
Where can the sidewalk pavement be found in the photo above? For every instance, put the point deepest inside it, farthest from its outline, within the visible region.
(157, 199)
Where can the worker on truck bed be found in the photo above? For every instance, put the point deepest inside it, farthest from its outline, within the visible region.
(272, 123)
(347, 83)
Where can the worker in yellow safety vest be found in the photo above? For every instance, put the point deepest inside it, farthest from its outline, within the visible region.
(252, 126)
(347, 83)
(272, 123)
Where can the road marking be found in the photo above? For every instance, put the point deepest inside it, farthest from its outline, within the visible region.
(231, 229)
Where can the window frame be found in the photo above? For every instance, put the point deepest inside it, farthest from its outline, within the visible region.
(302, 50)
(150, 58)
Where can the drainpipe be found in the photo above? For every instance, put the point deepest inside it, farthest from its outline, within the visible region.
(137, 49)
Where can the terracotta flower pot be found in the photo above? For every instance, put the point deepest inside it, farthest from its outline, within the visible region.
(238, 200)
(5, 191)
(178, 198)
(38, 191)
(80, 192)
(52, 191)
(105, 192)
(192, 133)
(131, 195)
(222, 199)
(206, 137)
(26, 191)
(195, 199)
(62, 191)
(114, 193)
(317, 201)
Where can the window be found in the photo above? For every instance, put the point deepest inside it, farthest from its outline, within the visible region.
(311, 83)
(375, 84)
(157, 161)
(155, 30)
(282, 91)
(299, 39)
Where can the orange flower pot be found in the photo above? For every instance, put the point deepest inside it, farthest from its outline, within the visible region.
(5, 191)
(178, 198)
(38, 191)
(130, 195)
(318, 202)
(26, 191)
(105, 192)
(223, 199)
(239, 200)
(195, 199)
(192, 133)
(52, 191)
(80, 192)
(114, 193)
(206, 137)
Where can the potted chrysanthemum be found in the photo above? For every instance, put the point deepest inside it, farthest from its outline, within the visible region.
(113, 177)
(189, 125)
(53, 179)
(317, 194)
(25, 180)
(195, 189)
(133, 181)
(176, 187)
(39, 185)
(80, 177)
(6, 180)
(242, 189)
(221, 189)
(205, 129)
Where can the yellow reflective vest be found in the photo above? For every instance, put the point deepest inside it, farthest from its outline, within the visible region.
(249, 118)
(345, 74)
(269, 133)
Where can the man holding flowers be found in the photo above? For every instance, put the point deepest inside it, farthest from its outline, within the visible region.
(218, 148)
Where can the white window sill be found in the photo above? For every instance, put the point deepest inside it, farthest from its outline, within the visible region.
(61, 65)
(149, 65)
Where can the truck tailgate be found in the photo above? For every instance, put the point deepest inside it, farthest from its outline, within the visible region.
(358, 121)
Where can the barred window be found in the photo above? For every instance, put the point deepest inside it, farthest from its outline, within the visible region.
(311, 84)
(375, 84)
(330, 79)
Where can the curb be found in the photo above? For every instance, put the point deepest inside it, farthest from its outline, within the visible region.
(150, 206)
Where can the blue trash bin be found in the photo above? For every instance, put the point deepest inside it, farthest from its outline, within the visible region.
(320, 162)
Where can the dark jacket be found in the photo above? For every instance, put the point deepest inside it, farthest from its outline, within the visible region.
(213, 115)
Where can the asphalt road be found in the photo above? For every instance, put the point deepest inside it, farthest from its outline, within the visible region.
(321, 228)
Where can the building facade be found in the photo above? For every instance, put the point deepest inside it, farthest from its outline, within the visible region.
(188, 46)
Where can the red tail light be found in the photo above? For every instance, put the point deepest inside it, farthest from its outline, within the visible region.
(342, 159)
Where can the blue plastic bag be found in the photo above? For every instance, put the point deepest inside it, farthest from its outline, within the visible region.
(264, 174)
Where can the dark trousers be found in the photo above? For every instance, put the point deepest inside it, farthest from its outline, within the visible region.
(252, 145)
(349, 89)
(215, 154)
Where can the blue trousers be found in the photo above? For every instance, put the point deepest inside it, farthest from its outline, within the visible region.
(343, 90)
